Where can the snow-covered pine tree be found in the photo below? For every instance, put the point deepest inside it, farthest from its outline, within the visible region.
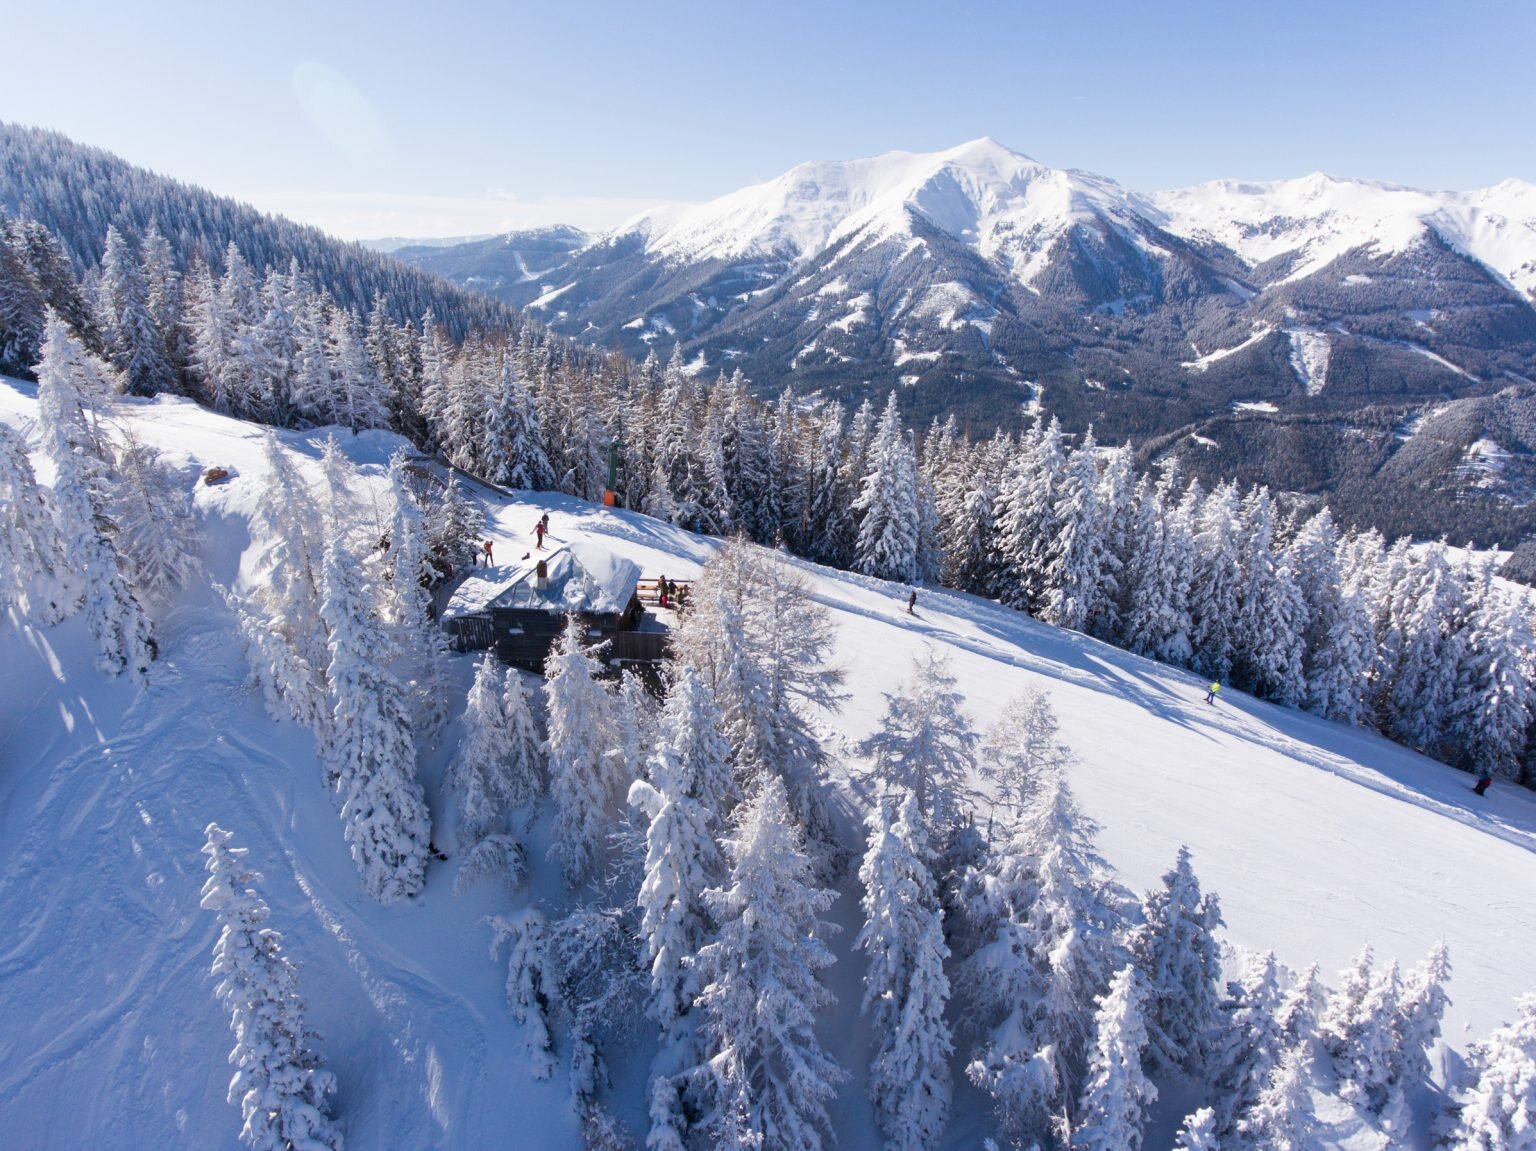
(1046, 917)
(371, 750)
(1299, 1009)
(70, 382)
(526, 465)
(1493, 705)
(1117, 498)
(281, 622)
(581, 781)
(481, 777)
(1025, 516)
(1337, 643)
(964, 502)
(135, 345)
(1497, 1112)
(1248, 1043)
(531, 981)
(786, 476)
(1198, 1132)
(1115, 1102)
(279, 1082)
(162, 283)
(905, 989)
(1282, 1119)
(1357, 1031)
(1215, 587)
(1268, 639)
(766, 1081)
(1077, 557)
(1419, 653)
(22, 304)
(925, 743)
(454, 526)
(761, 644)
(1420, 1007)
(358, 399)
(32, 573)
(157, 534)
(1175, 950)
(1157, 578)
(1023, 749)
(211, 340)
(681, 859)
(407, 605)
(887, 504)
(829, 511)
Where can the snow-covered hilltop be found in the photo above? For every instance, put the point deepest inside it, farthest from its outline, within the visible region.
(1317, 838)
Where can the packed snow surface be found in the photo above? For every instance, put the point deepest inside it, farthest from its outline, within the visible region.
(1317, 838)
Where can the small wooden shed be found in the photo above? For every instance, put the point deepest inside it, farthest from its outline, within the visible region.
(520, 610)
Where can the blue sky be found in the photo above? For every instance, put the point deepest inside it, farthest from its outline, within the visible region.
(452, 118)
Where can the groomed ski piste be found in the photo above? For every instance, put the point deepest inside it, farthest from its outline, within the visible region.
(1317, 839)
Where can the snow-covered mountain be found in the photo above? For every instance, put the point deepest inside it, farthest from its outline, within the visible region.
(1317, 838)
(978, 279)
(1308, 223)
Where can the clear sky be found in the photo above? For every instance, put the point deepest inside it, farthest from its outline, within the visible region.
(437, 119)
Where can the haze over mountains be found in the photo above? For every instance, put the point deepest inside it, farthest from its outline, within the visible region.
(1303, 333)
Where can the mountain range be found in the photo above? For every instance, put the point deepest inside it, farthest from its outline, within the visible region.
(1302, 333)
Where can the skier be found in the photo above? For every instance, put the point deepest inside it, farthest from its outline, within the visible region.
(912, 603)
(538, 530)
(1482, 782)
(661, 592)
(544, 519)
(486, 546)
(1210, 692)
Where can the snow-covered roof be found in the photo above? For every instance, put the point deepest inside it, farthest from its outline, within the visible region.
(582, 577)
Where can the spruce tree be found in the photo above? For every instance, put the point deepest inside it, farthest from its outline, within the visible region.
(371, 752)
(582, 783)
(766, 1080)
(33, 576)
(1175, 950)
(925, 743)
(1497, 1112)
(905, 989)
(71, 382)
(482, 776)
(279, 1082)
(887, 504)
(1115, 1103)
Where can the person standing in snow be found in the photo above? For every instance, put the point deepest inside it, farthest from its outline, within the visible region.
(538, 531)
(1483, 782)
(1210, 692)
(912, 604)
(486, 548)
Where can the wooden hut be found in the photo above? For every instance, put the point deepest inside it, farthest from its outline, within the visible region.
(520, 612)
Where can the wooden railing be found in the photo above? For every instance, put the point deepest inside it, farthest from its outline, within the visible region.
(649, 591)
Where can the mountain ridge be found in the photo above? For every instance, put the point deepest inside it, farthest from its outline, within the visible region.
(984, 285)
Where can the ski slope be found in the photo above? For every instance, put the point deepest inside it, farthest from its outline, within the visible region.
(1317, 838)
